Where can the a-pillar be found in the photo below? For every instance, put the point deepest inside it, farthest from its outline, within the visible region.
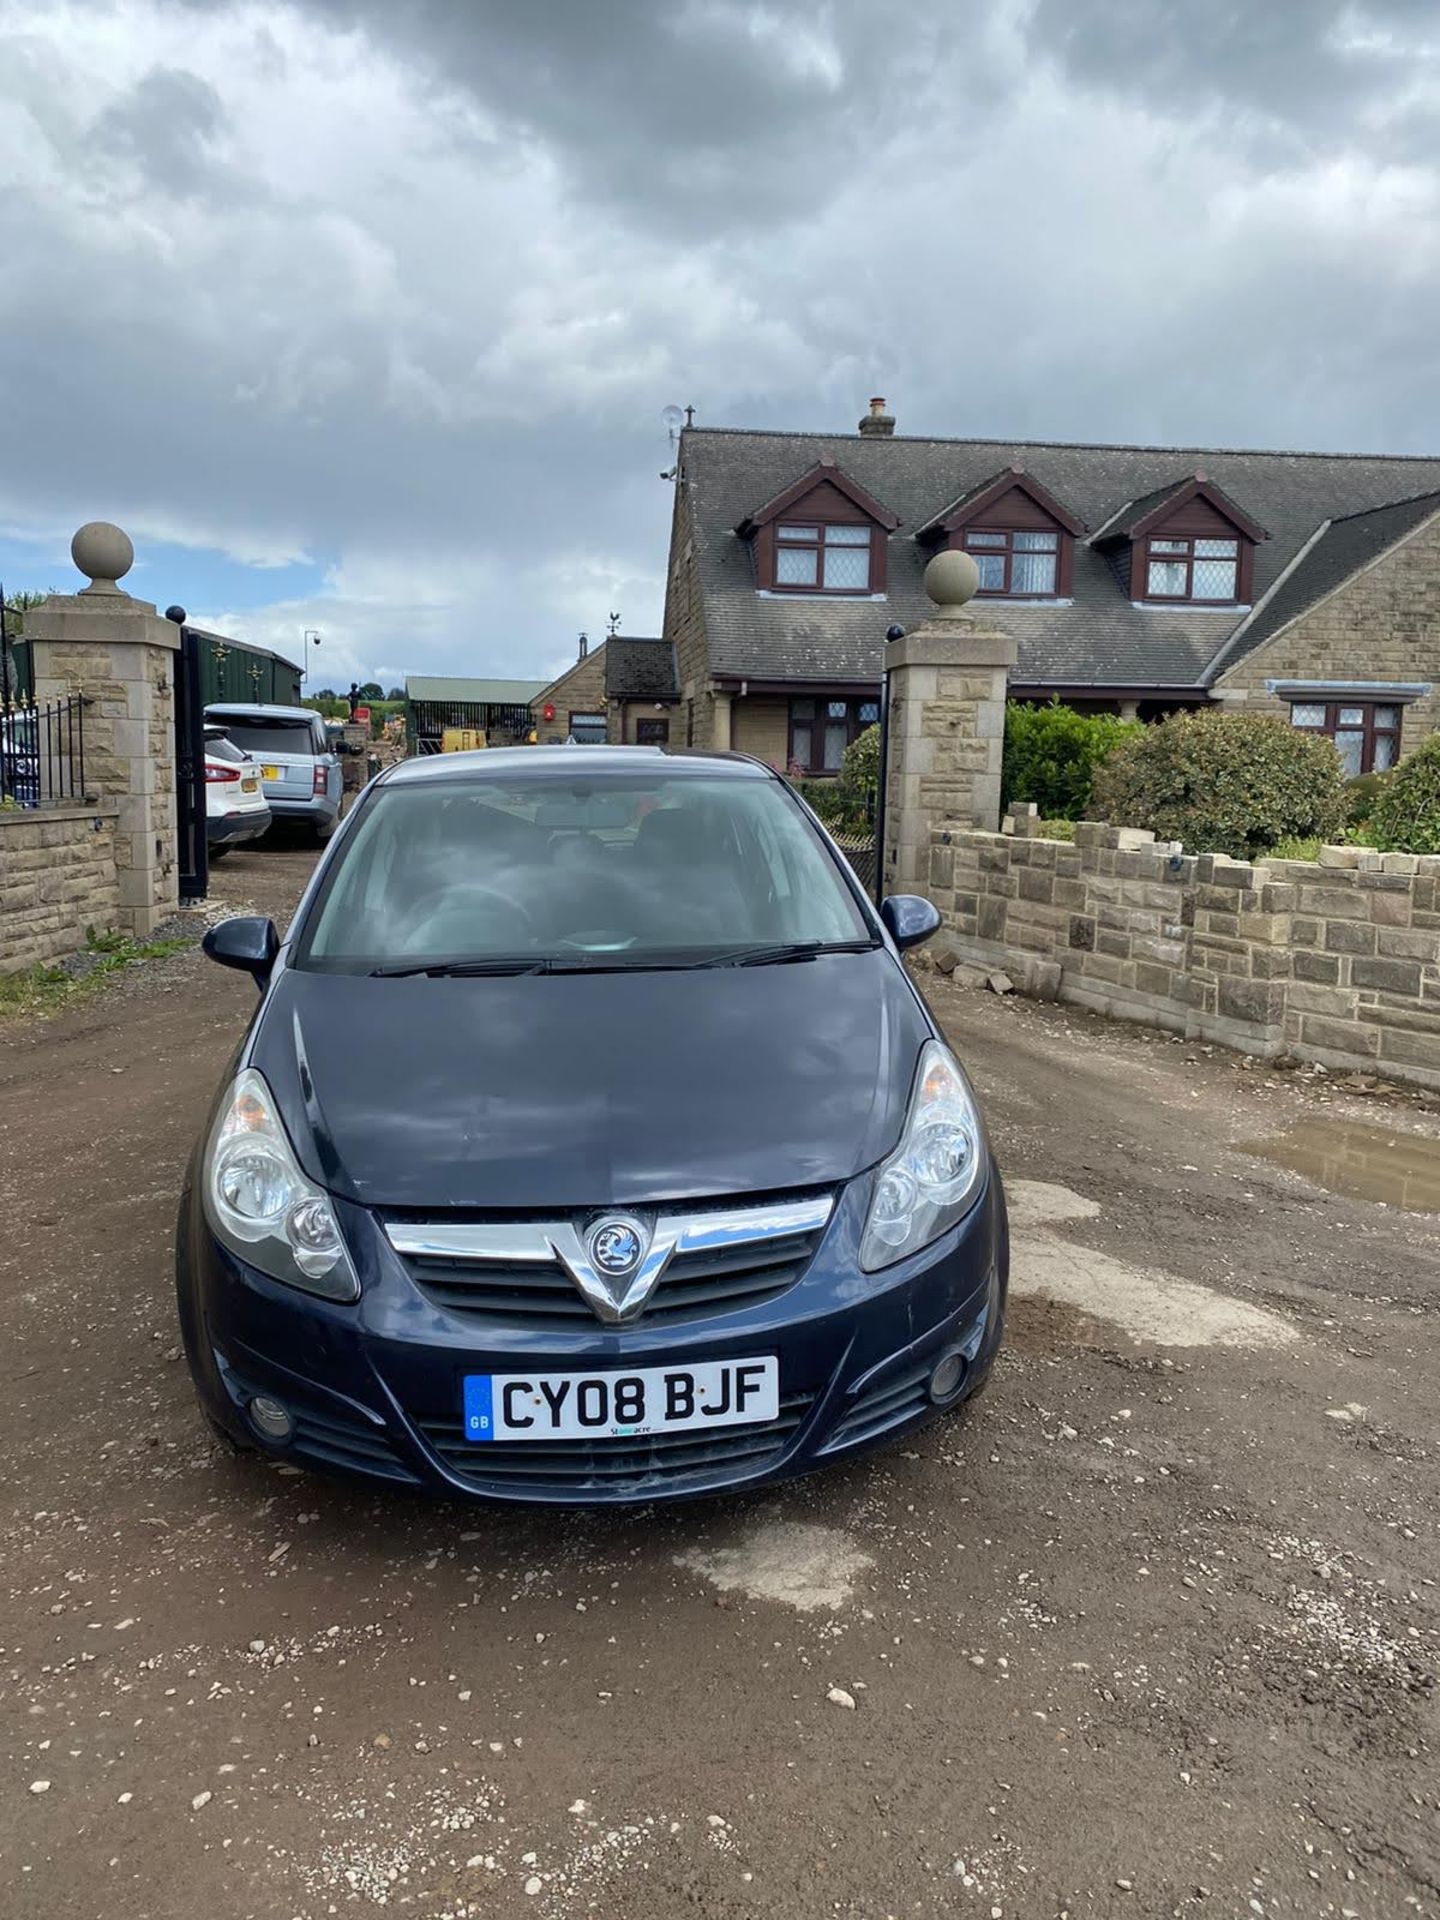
(946, 727)
(120, 654)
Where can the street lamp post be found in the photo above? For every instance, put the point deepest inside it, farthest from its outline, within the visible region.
(311, 635)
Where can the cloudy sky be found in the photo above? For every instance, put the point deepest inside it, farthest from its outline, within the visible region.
(361, 315)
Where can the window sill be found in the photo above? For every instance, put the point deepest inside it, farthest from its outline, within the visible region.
(1191, 606)
(1022, 600)
(784, 593)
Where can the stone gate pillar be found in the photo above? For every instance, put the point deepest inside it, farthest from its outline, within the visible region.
(947, 723)
(120, 654)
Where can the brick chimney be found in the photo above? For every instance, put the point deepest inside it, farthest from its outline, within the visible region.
(878, 422)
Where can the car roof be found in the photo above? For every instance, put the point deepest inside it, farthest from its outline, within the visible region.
(567, 762)
(240, 707)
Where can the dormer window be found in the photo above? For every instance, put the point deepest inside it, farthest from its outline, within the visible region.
(1019, 564)
(1019, 535)
(1200, 570)
(822, 559)
(1185, 544)
(824, 534)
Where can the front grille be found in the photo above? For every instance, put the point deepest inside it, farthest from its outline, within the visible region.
(619, 1466)
(888, 1405)
(537, 1290)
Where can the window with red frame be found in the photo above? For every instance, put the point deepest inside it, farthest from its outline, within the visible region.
(812, 557)
(821, 730)
(1366, 735)
(1020, 565)
(1204, 571)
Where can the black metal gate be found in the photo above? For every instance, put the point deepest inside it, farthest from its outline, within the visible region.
(192, 849)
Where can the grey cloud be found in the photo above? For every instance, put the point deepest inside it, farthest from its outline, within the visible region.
(166, 125)
(1312, 70)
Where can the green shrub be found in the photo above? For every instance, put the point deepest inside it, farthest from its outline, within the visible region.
(1233, 783)
(1052, 754)
(860, 769)
(1362, 796)
(1407, 815)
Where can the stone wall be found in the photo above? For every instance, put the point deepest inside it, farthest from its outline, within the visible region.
(760, 724)
(1336, 960)
(1382, 624)
(580, 689)
(694, 718)
(57, 877)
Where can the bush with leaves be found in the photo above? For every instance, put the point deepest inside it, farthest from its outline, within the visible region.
(1233, 783)
(1052, 753)
(1406, 818)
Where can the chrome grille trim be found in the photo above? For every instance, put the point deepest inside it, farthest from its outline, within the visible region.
(699, 1259)
(697, 1230)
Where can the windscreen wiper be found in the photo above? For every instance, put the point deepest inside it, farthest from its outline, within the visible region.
(462, 969)
(789, 951)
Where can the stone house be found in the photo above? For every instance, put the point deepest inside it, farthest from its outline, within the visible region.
(621, 692)
(1137, 580)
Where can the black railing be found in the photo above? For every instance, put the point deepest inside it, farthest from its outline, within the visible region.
(42, 753)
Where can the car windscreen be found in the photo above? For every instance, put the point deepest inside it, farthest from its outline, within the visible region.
(268, 734)
(626, 871)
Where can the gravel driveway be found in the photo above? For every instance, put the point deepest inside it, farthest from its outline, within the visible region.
(1152, 1630)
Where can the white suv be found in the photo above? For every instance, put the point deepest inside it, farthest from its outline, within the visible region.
(299, 770)
(235, 807)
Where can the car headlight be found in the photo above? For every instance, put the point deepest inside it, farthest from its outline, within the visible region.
(262, 1206)
(926, 1184)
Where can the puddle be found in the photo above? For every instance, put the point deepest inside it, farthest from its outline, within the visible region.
(1363, 1162)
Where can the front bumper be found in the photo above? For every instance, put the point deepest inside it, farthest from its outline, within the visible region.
(375, 1388)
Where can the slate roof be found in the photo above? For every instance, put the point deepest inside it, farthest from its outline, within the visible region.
(1340, 549)
(639, 669)
(1099, 639)
(463, 692)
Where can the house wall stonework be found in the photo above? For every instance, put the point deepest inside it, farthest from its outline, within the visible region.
(1383, 624)
(760, 724)
(579, 690)
(1336, 960)
(57, 877)
(693, 722)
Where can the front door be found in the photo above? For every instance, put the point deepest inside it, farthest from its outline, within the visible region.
(652, 733)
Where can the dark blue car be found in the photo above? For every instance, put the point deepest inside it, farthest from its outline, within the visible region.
(589, 1144)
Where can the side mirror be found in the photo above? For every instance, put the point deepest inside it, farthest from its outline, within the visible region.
(908, 918)
(249, 942)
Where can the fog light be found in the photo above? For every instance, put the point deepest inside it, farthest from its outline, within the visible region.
(948, 1374)
(271, 1418)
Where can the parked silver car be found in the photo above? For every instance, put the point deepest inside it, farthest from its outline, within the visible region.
(299, 769)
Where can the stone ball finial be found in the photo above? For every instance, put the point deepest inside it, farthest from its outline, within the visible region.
(951, 579)
(105, 553)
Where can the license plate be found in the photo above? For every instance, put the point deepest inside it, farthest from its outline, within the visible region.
(619, 1406)
(270, 773)
(250, 784)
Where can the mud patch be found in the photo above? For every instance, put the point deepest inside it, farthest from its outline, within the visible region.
(805, 1567)
(1362, 1162)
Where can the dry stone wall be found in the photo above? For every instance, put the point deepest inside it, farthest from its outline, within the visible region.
(1335, 960)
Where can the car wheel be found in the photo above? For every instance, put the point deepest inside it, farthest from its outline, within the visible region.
(218, 853)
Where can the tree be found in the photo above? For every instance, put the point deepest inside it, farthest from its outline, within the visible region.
(324, 693)
(371, 690)
(396, 693)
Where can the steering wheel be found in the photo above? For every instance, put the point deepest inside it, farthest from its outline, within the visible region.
(432, 905)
